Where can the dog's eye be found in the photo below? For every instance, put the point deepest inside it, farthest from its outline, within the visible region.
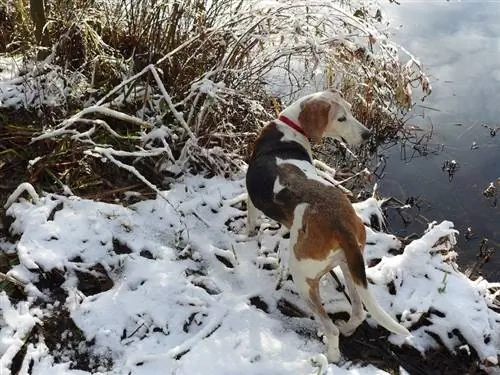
(341, 119)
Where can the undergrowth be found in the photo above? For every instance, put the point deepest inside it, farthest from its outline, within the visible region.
(113, 94)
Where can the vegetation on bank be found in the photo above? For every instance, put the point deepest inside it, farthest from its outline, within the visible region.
(170, 86)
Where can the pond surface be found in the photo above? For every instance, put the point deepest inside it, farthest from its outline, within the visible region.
(459, 44)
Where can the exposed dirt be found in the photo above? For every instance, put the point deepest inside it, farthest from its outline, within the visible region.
(369, 345)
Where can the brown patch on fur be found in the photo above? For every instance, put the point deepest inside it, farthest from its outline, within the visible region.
(361, 235)
(354, 256)
(288, 221)
(315, 239)
(329, 222)
(314, 118)
(314, 295)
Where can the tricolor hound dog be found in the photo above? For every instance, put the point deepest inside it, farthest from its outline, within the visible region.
(324, 229)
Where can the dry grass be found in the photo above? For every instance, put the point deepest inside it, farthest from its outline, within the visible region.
(214, 62)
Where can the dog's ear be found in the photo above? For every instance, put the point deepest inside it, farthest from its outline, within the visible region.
(314, 116)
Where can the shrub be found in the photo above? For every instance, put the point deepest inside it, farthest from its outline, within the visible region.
(187, 85)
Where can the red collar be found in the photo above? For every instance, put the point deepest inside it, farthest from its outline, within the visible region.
(292, 124)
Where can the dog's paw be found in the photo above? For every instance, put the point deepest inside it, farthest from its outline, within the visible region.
(333, 354)
(251, 231)
(348, 328)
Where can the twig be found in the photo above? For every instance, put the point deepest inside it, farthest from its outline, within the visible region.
(108, 154)
(340, 285)
(167, 98)
(100, 195)
(93, 109)
(12, 280)
(335, 183)
(25, 186)
(403, 205)
(122, 84)
(208, 330)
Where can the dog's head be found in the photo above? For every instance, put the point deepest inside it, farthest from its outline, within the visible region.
(327, 114)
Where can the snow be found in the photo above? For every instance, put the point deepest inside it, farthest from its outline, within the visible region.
(31, 86)
(9, 93)
(183, 280)
(15, 323)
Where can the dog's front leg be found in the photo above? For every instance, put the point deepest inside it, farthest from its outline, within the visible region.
(252, 214)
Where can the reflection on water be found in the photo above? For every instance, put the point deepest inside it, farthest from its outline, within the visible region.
(459, 44)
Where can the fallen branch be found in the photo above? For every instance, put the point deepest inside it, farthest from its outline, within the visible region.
(62, 129)
(24, 187)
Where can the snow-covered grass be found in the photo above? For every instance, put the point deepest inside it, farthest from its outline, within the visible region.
(32, 86)
(185, 281)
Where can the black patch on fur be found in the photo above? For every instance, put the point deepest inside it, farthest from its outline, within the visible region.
(263, 170)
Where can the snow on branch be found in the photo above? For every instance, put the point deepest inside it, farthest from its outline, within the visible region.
(24, 187)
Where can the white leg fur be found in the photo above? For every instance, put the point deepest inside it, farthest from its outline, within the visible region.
(252, 214)
(357, 312)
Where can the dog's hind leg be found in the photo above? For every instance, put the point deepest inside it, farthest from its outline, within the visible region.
(357, 313)
(306, 275)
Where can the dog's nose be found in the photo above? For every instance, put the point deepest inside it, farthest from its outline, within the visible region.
(366, 134)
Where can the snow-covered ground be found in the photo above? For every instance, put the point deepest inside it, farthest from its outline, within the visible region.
(185, 279)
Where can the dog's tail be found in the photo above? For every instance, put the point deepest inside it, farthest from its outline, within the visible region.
(356, 265)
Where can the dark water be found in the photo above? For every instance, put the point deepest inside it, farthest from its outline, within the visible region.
(459, 44)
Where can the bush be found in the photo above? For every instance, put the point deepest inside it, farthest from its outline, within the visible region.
(187, 85)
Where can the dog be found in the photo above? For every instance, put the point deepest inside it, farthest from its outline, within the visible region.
(325, 231)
